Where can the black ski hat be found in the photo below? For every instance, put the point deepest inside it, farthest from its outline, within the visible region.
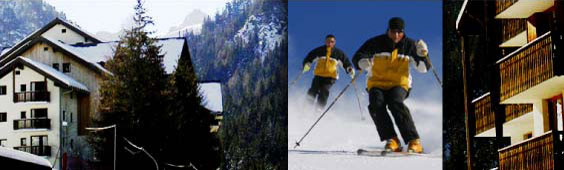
(396, 23)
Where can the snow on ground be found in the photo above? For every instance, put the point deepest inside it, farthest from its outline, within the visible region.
(341, 132)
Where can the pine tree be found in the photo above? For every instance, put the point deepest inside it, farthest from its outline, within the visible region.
(132, 97)
(191, 120)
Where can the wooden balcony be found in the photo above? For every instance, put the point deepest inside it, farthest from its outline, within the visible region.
(531, 154)
(525, 68)
(484, 114)
(36, 150)
(513, 111)
(32, 96)
(513, 32)
(502, 5)
(34, 123)
(520, 8)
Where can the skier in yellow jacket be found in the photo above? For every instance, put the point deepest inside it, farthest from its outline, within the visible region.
(386, 60)
(328, 58)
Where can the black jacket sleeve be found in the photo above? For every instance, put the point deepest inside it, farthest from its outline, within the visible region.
(362, 52)
(341, 56)
(311, 55)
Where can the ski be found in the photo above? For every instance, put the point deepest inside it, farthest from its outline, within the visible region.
(359, 152)
(384, 153)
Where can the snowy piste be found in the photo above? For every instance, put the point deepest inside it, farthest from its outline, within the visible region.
(333, 143)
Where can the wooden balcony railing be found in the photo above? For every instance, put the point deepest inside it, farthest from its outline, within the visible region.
(531, 154)
(513, 111)
(512, 27)
(32, 96)
(34, 123)
(526, 67)
(36, 150)
(502, 5)
(484, 114)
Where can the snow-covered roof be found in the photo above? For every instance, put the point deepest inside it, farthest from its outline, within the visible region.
(24, 156)
(211, 93)
(96, 52)
(56, 74)
(4, 51)
(23, 42)
(172, 48)
(84, 57)
(101, 52)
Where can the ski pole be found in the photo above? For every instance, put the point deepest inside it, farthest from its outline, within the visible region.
(434, 71)
(296, 80)
(326, 110)
(358, 99)
(437, 76)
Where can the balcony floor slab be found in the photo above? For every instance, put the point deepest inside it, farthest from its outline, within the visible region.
(544, 90)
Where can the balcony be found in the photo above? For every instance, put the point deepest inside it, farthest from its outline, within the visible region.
(520, 8)
(534, 153)
(514, 32)
(32, 96)
(36, 150)
(34, 123)
(484, 114)
(513, 111)
(527, 74)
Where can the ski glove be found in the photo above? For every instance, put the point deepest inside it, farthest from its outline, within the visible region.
(365, 64)
(422, 48)
(307, 66)
(350, 70)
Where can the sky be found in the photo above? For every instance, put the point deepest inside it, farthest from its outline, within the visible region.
(353, 23)
(110, 15)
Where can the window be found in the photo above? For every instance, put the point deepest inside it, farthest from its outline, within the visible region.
(17, 72)
(3, 117)
(39, 113)
(56, 66)
(23, 115)
(555, 108)
(71, 117)
(64, 115)
(38, 140)
(23, 142)
(527, 135)
(64, 30)
(23, 88)
(38, 86)
(45, 48)
(66, 67)
(2, 90)
(3, 142)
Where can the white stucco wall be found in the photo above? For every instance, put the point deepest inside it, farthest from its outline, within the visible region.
(69, 37)
(14, 110)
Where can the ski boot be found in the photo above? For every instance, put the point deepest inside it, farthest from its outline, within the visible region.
(393, 145)
(415, 146)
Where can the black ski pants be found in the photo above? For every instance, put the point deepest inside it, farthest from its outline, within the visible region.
(320, 89)
(393, 99)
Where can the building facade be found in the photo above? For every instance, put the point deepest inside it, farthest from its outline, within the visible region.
(517, 46)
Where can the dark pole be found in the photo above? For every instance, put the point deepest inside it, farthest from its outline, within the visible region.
(466, 111)
(558, 68)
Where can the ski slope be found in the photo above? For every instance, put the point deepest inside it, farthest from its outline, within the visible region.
(335, 139)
